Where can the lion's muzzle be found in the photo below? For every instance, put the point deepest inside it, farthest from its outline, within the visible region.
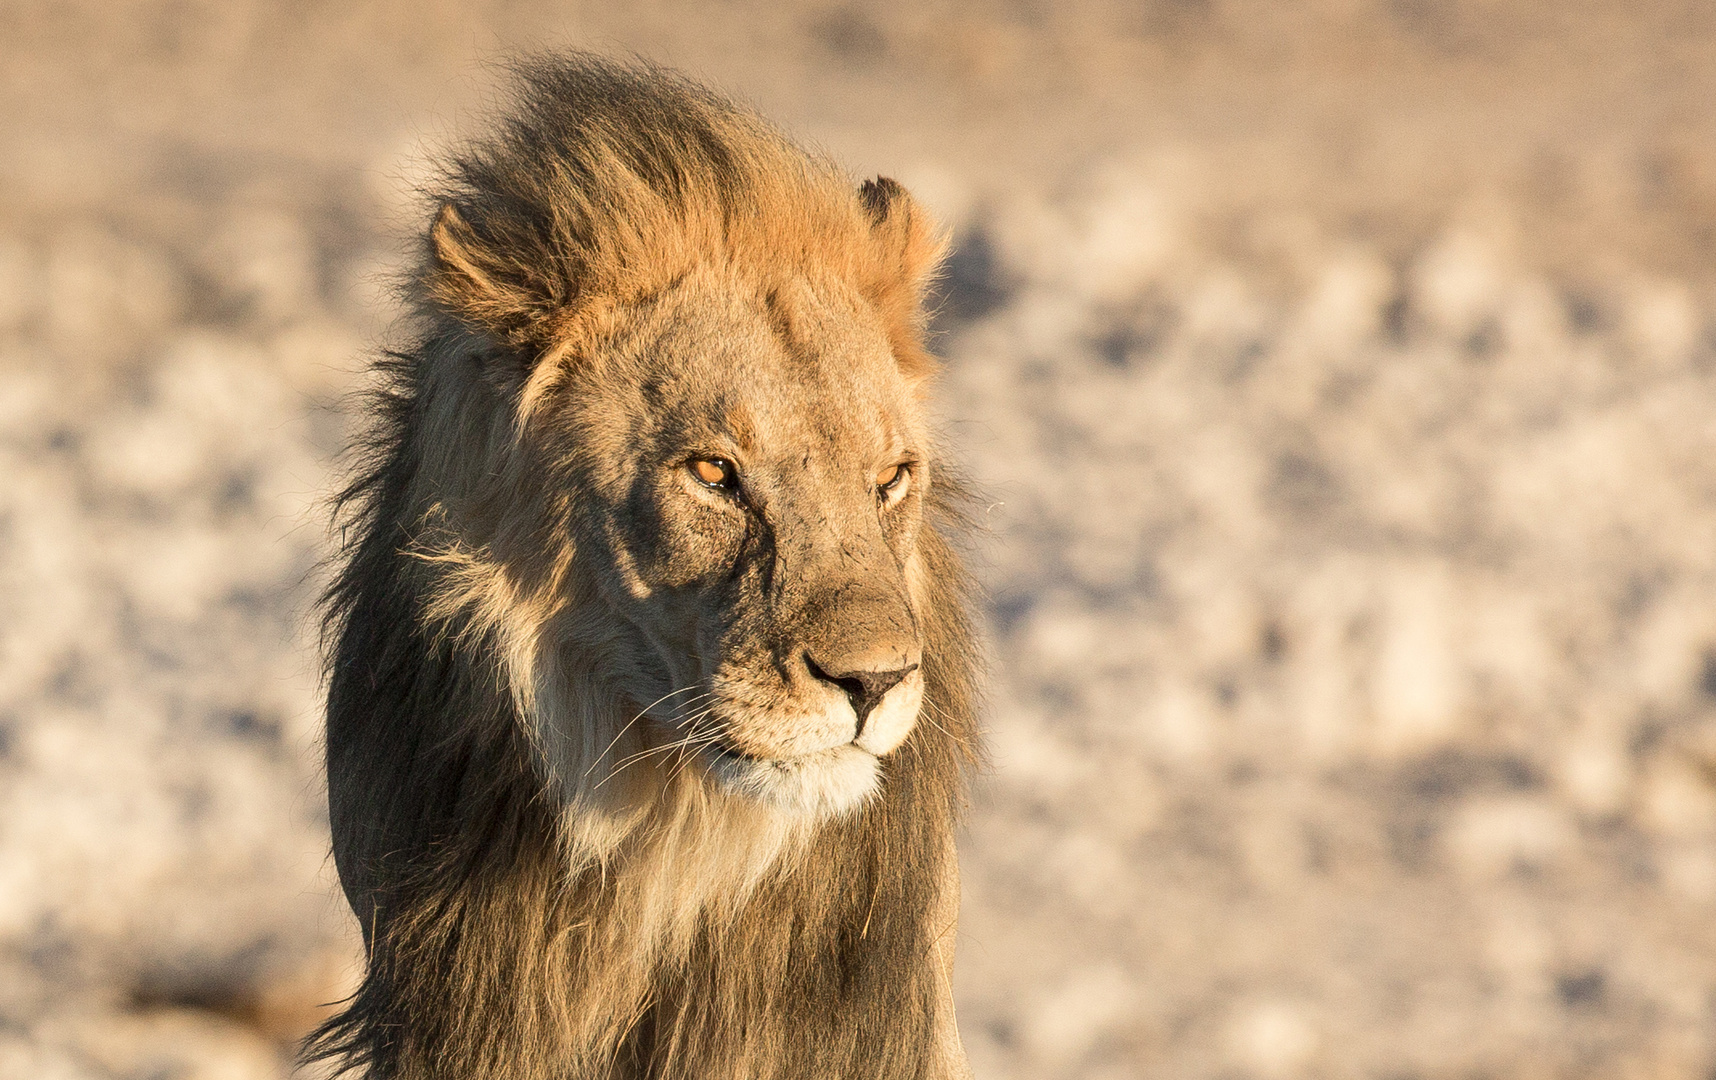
(806, 720)
(864, 689)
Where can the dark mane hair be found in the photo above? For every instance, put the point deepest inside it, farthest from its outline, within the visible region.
(500, 944)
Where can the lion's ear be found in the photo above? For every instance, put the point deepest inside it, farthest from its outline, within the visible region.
(510, 296)
(907, 236)
(910, 246)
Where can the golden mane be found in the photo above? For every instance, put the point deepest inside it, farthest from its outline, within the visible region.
(522, 919)
(609, 183)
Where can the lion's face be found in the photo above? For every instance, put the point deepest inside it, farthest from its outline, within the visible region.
(752, 466)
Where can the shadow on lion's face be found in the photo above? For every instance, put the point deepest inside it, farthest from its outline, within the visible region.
(752, 467)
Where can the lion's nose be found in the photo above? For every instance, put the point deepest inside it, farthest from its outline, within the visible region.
(864, 689)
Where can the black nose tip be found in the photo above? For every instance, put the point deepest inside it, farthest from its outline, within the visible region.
(864, 689)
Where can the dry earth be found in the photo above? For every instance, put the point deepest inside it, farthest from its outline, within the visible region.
(1342, 374)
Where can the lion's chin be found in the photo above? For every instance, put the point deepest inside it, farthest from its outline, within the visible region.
(819, 785)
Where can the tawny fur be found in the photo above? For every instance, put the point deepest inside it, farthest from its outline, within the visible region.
(551, 883)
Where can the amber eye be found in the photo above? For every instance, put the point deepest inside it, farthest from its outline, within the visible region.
(891, 479)
(715, 472)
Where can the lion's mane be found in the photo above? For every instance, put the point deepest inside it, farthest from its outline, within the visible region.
(502, 940)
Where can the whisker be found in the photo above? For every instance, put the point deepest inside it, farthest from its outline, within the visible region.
(678, 744)
(686, 749)
(688, 703)
(642, 754)
(929, 712)
(695, 738)
(691, 735)
(670, 693)
(963, 741)
(640, 715)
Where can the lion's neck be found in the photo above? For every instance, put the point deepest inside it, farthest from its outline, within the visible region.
(708, 944)
(688, 858)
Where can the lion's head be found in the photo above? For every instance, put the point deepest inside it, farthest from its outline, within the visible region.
(695, 372)
(754, 479)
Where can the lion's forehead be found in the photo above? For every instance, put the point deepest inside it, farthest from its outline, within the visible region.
(793, 370)
(834, 422)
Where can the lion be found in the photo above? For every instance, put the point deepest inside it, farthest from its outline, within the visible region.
(652, 673)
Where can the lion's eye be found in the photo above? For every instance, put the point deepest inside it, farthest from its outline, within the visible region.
(715, 472)
(891, 482)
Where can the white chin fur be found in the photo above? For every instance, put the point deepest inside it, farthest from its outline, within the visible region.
(821, 784)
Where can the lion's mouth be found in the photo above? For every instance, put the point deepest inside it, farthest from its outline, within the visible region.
(723, 752)
(817, 784)
(720, 751)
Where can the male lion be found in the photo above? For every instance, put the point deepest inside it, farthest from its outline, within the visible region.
(651, 695)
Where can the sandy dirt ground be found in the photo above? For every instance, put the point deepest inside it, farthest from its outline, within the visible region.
(1343, 378)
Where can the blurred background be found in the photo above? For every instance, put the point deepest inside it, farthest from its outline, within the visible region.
(1341, 377)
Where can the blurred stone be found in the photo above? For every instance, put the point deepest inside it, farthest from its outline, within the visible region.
(1489, 838)
(1459, 282)
(1273, 1039)
(214, 401)
(50, 603)
(1181, 724)
(25, 1058)
(1067, 1019)
(169, 1042)
(319, 356)
(1416, 687)
(1663, 321)
(1596, 774)
(1125, 232)
(1505, 645)
(1345, 307)
(265, 265)
(104, 293)
(1520, 948)
(20, 283)
(1677, 799)
(1690, 872)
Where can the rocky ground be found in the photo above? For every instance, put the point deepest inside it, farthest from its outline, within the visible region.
(1341, 376)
